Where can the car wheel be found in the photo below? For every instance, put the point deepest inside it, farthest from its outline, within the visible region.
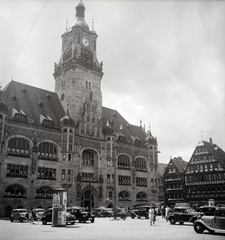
(139, 217)
(72, 223)
(181, 223)
(44, 222)
(11, 219)
(172, 221)
(132, 216)
(146, 216)
(21, 219)
(92, 220)
(198, 227)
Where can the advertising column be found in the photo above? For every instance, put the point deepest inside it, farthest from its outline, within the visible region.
(59, 207)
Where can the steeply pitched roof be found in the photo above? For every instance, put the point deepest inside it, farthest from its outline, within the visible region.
(217, 152)
(34, 102)
(180, 164)
(129, 131)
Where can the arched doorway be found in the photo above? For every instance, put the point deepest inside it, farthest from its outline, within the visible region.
(8, 211)
(87, 200)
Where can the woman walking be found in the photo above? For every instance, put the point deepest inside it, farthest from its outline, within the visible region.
(151, 215)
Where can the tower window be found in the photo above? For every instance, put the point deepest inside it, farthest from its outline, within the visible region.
(88, 85)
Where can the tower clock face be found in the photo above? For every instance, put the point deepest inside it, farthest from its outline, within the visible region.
(85, 42)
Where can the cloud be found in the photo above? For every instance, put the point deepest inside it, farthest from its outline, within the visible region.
(163, 61)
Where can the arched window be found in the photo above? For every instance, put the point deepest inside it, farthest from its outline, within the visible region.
(18, 147)
(124, 196)
(123, 161)
(44, 192)
(47, 151)
(141, 196)
(140, 164)
(88, 158)
(15, 191)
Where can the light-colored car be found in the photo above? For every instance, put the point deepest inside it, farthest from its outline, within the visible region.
(19, 214)
(212, 224)
(39, 212)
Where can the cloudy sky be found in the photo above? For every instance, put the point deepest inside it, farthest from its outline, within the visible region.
(163, 61)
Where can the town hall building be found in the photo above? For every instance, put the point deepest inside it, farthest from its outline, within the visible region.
(68, 139)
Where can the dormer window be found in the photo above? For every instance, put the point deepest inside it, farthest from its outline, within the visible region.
(46, 121)
(122, 138)
(19, 115)
(40, 104)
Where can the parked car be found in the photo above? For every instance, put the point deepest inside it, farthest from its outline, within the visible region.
(47, 217)
(39, 212)
(207, 210)
(212, 224)
(81, 214)
(102, 212)
(140, 211)
(182, 214)
(19, 214)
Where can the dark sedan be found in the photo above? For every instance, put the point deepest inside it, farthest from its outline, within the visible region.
(182, 214)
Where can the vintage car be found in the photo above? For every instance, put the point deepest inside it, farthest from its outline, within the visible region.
(208, 210)
(19, 214)
(39, 212)
(81, 214)
(102, 212)
(140, 211)
(47, 217)
(212, 224)
(182, 214)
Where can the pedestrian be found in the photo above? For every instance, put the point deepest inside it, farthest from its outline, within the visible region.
(151, 215)
(167, 212)
(163, 212)
(32, 215)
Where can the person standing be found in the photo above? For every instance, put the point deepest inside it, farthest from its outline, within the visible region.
(163, 211)
(151, 215)
(32, 215)
(167, 212)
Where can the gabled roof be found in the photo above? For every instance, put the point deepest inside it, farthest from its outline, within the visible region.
(217, 152)
(180, 164)
(37, 104)
(129, 131)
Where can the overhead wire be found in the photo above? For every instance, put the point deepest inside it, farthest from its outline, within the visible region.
(25, 39)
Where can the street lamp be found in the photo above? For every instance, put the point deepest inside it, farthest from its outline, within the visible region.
(114, 147)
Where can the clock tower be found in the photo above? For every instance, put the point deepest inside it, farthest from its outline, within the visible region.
(78, 76)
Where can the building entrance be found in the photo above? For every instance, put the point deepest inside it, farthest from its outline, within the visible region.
(87, 200)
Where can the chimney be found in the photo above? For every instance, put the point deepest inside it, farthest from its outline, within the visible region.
(210, 140)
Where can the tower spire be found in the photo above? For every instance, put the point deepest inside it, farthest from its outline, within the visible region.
(93, 24)
(66, 24)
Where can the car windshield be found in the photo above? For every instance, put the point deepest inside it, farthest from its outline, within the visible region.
(22, 211)
(38, 211)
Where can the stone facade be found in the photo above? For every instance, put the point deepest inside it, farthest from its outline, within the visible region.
(68, 139)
